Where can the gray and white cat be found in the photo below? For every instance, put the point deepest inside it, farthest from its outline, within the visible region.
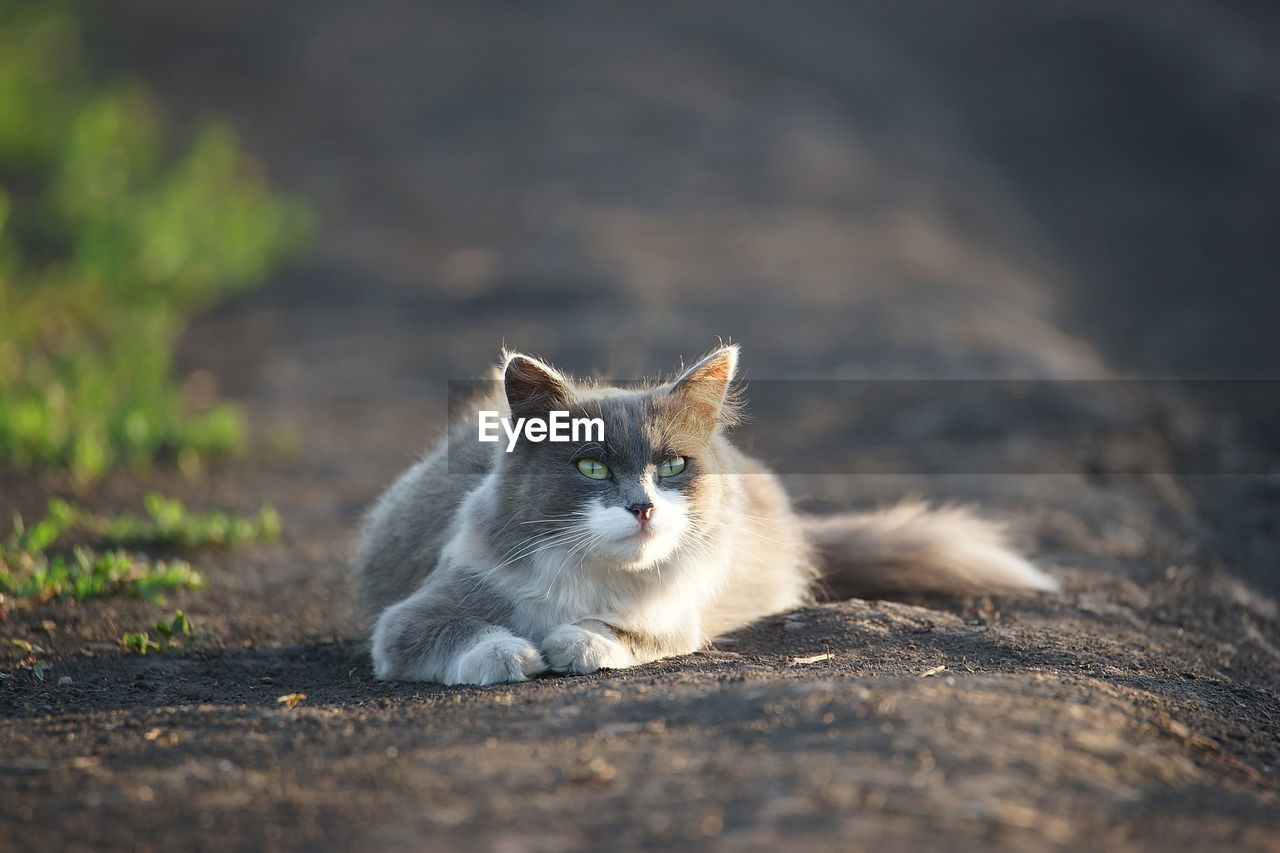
(483, 566)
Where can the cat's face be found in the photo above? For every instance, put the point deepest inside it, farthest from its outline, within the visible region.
(632, 500)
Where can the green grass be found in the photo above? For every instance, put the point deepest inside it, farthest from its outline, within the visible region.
(37, 564)
(86, 573)
(112, 237)
(177, 635)
(169, 523)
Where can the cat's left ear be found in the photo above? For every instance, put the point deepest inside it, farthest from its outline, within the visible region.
(533, 386)
(706, 389)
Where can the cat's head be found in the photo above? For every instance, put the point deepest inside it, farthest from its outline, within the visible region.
(651, 485)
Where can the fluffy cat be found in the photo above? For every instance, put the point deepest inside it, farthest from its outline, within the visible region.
(485, 566)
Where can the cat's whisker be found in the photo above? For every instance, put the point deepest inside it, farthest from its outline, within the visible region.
(581, 546)
(558, 519)
(748, 531)
(587, 543)
(502, 529)
(558, 539)
(537, 536)
(528, 548)
(762, 520)
(539, 546)
(738, 528)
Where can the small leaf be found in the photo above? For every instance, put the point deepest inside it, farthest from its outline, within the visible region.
(291, 700)
(140, 642)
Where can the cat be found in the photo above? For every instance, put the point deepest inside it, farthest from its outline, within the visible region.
(481, 566)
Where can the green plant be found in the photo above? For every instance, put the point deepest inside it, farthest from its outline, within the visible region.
(31, 568)
(169, 523)
(180, 627)
(88, 574)
(109, 243)
(177, 635)
(139, 642)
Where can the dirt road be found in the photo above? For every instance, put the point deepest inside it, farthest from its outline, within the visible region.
(863, 195)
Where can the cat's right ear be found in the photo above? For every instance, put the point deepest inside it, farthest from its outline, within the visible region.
(533, 386)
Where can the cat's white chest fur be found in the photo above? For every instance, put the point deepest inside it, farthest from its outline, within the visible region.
(664, 600)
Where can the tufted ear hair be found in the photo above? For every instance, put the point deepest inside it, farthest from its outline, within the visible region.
(706, 388)
(533, 386)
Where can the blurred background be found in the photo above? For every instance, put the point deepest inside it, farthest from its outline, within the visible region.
(847, 189)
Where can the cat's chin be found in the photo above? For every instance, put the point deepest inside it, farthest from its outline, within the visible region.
(638, 554)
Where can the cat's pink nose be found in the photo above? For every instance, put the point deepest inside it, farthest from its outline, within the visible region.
(642, 512)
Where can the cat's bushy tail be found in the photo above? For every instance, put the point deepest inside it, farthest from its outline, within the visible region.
(912, 549)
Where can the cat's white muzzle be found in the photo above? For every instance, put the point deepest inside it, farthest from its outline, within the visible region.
(634, 544)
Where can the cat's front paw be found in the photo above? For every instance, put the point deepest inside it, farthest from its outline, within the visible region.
(496, 658)
(572, 648)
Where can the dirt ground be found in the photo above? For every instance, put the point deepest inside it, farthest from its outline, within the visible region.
(1078, 196)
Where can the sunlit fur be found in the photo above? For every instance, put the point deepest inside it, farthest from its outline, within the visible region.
(480, 566)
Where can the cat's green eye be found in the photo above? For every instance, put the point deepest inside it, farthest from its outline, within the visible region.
(593, 468)
(671, 467)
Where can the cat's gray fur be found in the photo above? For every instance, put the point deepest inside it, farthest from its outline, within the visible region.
(480, 566)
